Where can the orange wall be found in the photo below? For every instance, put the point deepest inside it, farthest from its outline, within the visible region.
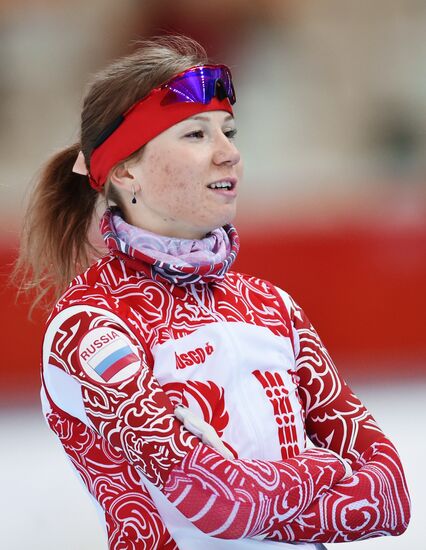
(363, 288)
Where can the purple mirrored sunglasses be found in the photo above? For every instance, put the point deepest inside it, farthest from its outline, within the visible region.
(195, 85)
(200, 85)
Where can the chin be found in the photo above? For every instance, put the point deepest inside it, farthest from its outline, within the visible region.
(218, 221)
(228, 218)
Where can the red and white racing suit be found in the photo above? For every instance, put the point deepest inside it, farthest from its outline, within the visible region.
(123, 346)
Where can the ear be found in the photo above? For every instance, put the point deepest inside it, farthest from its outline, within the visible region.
(122, 177)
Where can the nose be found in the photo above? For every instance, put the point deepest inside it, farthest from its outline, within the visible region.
(225, 151)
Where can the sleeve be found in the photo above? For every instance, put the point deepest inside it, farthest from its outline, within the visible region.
(122, 496)
(119, 398)
(374, 501)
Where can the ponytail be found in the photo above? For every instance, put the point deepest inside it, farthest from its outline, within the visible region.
(55, 243)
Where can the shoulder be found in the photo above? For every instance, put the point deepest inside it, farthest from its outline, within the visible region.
(107, 283)
(263, 286)
(237, 277)
(109, 272)
(261, 291)
(88, 320)
(94, 290)
(268, 293)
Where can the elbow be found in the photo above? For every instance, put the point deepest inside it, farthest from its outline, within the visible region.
(396, 499)
(402, 511)
(403, 503)
(403, 520)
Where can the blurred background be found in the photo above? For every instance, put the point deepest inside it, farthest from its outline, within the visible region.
(331, 114)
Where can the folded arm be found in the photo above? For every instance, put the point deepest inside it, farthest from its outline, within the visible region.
(374, 501)
(124, 404)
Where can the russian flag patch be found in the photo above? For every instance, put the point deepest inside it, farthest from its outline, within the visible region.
(107, 355)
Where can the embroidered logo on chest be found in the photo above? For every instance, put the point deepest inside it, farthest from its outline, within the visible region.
(195, 356)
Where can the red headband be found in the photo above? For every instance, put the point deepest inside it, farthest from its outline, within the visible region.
(142, 122)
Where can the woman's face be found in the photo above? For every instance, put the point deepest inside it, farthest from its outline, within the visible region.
(187, 178)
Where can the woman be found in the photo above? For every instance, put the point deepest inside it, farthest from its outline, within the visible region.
(183, 392)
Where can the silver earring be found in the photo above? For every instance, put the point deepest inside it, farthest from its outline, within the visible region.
(134, 201)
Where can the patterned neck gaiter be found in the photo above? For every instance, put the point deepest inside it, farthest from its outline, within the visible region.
(180, 261)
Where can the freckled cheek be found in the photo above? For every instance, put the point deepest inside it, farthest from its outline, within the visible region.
(171, 174)
(176, 187)
(177, 196)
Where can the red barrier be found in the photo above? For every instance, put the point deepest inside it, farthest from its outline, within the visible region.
(362, 288)
(21, 340)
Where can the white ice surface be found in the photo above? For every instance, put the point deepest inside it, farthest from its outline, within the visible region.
(43, 505)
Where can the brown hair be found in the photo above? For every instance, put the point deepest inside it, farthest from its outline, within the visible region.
(55, 243)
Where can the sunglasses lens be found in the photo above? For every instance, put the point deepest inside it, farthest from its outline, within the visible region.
(200, 85)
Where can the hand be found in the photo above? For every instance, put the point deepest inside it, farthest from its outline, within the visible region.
(203, 430)
(348, 469)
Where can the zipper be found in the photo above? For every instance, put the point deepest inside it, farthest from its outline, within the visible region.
(202, 306)
(250, 418)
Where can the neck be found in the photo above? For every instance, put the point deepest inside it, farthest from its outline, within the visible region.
(164, 227)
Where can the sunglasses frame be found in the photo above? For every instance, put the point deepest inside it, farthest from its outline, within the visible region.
(220, 91)
(223, 87)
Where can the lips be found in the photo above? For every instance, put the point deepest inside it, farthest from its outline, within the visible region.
(225, 184)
